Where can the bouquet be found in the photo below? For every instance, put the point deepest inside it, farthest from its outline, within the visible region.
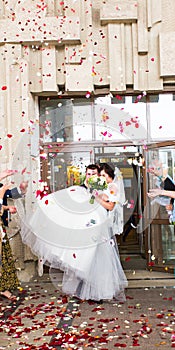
(96, 183)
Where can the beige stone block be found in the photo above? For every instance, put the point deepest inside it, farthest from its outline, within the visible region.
(14, 96)
(142, 72)
(142, 27)
(135, 57)
(17, 249)
(60, 65)
(73, 54)
(116, 43)
(50, 8)
(122, 11)
(3, 107)
(100, 56)
(46, 29)
(167, 56)
(48, 68)
(79, 77)
(72, 7)
(28, 273)
(155, 81)
(2, 5)
(154, 12)
(35, 69)
(128, 54)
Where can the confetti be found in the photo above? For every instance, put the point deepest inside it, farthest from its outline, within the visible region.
(88, 94)
(23, 171)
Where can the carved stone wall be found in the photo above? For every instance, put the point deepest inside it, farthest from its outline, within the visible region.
(74, 46)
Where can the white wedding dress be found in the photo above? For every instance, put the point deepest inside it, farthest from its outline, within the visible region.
(71, 234)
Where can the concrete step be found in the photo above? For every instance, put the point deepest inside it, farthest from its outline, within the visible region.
(150, 284)
(147, 279)
(136, 279)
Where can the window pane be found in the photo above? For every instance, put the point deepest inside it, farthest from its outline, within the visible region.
(162, 115)
(164, 158)
(65, 120)
(66, 168)
(122, 119)
(82, 121)
(168, 243)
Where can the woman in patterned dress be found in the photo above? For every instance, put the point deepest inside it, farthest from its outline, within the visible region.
(8, 276)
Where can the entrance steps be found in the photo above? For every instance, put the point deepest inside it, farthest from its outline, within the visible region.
(149, 279)
(136, 271)
(136, 279)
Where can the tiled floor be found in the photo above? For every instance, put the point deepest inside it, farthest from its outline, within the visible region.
(43, 318)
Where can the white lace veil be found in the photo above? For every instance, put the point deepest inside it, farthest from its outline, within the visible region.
(118, 180)
(118, 216)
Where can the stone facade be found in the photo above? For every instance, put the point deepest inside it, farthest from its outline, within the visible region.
(69, 47)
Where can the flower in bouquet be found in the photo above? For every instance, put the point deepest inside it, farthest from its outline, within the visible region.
(96, 183)
(171, 215)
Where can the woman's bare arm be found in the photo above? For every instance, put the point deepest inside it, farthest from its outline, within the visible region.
(159, 192)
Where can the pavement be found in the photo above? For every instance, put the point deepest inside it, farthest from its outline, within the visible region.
(43, 318)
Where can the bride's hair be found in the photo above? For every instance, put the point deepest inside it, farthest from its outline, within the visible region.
(108, 169)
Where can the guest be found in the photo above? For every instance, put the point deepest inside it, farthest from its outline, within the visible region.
(164, 181)
(14, 193)
(160, 192)
(8, 278)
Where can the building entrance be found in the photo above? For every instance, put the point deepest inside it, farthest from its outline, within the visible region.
(77, 132)
(65, 166)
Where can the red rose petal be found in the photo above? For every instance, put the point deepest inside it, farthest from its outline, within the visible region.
(23, 171)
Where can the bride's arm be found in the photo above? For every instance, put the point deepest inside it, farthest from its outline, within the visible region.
(102, 199)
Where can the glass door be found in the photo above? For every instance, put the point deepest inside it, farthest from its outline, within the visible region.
(160, 233)
(129, 160)
(64, 165)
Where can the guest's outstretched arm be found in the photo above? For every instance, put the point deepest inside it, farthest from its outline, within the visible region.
(159, 192)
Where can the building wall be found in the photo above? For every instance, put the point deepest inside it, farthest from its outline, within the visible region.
(75, 46)
(72, 47)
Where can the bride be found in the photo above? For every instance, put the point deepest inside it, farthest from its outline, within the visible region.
(69, 233)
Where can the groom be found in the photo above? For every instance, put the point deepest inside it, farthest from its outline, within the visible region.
(91, 169)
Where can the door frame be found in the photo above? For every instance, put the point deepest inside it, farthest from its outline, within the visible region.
(68, 147)
(148, 224)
